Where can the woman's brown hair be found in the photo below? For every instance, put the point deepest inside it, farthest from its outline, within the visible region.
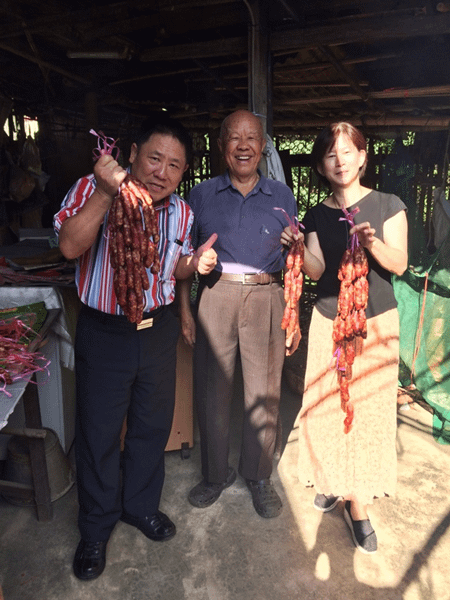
(326, 139)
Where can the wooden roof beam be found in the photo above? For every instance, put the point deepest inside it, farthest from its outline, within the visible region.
(181, 72)
(292, 40)
(44, 64)
(280, 70)
(368, 30)
(290, 10)
(431, 91)
(223, 47)
(381, 121)
(100, 14)
(218, 80)
(326, 51)
(292, 86)
(199, 21)
(318, 66)
(293, 125)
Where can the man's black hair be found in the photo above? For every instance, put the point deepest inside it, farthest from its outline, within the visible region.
(163, 124)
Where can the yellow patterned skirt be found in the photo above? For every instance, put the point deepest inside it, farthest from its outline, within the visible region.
(363, 463)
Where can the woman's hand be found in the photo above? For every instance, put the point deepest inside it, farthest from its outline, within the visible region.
(392, 253)
(365, 233)
(314, 262)
(288, 237)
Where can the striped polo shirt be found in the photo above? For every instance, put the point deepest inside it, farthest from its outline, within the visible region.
(94, 274)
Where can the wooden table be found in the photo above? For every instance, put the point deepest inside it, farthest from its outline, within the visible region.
(33, 432)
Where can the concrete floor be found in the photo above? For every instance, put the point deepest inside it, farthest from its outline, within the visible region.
(227, 552)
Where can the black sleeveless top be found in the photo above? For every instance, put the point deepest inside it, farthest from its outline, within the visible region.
(376, 208)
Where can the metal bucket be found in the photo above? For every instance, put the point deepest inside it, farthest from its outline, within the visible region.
(18, 468)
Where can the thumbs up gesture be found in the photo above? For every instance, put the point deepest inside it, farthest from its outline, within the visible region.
(206, 256)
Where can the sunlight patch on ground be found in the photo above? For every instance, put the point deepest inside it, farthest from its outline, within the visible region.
(327, 535)
(413, 528)
(322, 571)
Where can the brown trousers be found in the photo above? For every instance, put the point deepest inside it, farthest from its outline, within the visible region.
(240, 318)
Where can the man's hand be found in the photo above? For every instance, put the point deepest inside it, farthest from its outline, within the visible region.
(109, 175)
(293, 342)
(206, 256)
(203, 261)
(188, 327)
(80, 231)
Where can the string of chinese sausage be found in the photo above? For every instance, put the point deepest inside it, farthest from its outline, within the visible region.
(133, 237)
(350, 322)
(16, 361)
(293, 283)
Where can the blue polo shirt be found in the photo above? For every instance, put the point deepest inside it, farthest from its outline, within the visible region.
(249, 228)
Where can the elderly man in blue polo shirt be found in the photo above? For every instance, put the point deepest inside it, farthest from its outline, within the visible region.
(240, 307)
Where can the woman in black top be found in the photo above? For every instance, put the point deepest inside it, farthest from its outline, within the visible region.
(359, 465)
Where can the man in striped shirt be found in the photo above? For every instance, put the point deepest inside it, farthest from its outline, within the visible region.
(123, 370)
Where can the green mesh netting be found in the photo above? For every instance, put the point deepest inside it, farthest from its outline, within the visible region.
(423, 295)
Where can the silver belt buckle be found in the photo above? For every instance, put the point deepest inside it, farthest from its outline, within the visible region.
(145, 323)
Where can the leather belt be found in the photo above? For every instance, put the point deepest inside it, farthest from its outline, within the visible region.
(251, 278)
(148, 319)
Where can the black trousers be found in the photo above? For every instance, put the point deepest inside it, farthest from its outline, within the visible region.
(121, 371)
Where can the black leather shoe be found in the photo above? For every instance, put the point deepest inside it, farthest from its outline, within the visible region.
(157, 527)
(90, 559)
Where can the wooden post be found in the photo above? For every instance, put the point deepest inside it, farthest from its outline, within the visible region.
(259, 67)
(38, 460)
(217, 164)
